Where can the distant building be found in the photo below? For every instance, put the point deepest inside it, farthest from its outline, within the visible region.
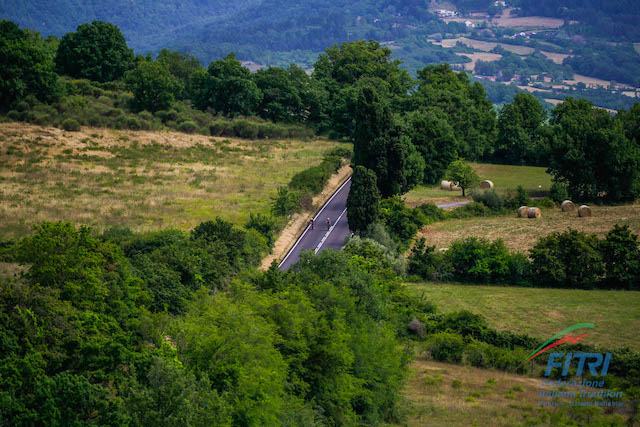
(469, 24)
(500, 3)
(443, 13)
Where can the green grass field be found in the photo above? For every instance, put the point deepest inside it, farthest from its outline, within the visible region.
(144, 180)
(544, 312)
(506, 179)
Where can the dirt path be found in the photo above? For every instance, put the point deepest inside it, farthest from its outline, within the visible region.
(299, 221)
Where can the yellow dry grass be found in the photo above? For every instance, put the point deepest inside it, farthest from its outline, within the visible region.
(485, 46)
(532, 89)
(589, 81)
(478, 56)
(520, 234)
(556, 57)
(144, 180)
(481, 397)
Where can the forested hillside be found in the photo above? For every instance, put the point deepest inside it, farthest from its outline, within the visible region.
(145, 23)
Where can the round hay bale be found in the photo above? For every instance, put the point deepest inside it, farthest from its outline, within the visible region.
(584, 211)
(455, 187)
(445, 185)
(442, 250)
(567, 206)
(523, 211)
(486, 184)
(534, 213)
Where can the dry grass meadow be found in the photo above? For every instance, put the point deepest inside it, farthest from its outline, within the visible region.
(485, 46)
(144, 180)
(442, 394)
(478, 56)
(543, 312)
(513, 21)
(520, 234)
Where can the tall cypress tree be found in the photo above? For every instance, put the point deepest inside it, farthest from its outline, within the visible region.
(379, 145)
(363, 203)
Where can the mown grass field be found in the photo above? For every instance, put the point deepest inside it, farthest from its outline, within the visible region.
(543, 312)
(445, 394)
(521, 234)
(144, 180)
(506, 179)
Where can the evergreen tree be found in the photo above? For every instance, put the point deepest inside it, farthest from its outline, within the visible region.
(363, 203)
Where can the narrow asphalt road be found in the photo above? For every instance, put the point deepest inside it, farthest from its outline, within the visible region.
(323, 237)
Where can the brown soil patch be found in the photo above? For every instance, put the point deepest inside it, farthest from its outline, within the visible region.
(478, 56)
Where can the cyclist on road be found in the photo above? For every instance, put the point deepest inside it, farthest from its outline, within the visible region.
(312, 223)
(328, 223)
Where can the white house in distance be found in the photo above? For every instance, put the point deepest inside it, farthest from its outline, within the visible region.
(469, 24)
(443, 13)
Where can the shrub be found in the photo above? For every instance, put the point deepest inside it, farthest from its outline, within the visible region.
(490, 199)
(521, 198)
(71, 125)
(469, 210)
(401, 221)
(620, 252)
(423, 260)
(133, 123)
(187, 127)
(480, 261)
(559, 191)
(284, 203)
(431, 212)
(446, 347)
(567, 260)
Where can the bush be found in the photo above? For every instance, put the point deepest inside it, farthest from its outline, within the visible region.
(480, 261)
(620, 251)
(567, 260)
(490, 199)
(469, 210)
(423, 260)
(431, 212)
(520, 199)
(187, 127)
(71, 125)
(284, 203)
(559, 192)
(446, 347)
(245, 129)
(401, 221)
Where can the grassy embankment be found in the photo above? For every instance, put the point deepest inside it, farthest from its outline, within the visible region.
(140, 179)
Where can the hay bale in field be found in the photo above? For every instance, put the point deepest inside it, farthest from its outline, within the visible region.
(486, 184)
(584, 211)
(455, 187)
(442, 250)
(567, 206)
(534, 213)
(445, 185)
(523, 211)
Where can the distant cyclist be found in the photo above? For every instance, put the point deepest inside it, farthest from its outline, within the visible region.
(312, 223)
(328, 223)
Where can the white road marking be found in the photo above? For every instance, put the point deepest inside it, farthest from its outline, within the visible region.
(314, 218)
(330, 230)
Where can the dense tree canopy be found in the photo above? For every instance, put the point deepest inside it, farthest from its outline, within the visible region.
(520, 134)
(152, 85)
(27, 66)
(591, 153)
(363, 203)
(469, 112)
(227, 88)
(96, 51)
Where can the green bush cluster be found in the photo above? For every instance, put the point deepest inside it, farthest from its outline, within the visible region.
(307, 183)
(570, 259)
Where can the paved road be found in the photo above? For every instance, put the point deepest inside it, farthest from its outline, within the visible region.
(322, 238)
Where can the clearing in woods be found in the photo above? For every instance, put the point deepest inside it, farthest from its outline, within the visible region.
(506, 179)
(143, 180)
(543, 312)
